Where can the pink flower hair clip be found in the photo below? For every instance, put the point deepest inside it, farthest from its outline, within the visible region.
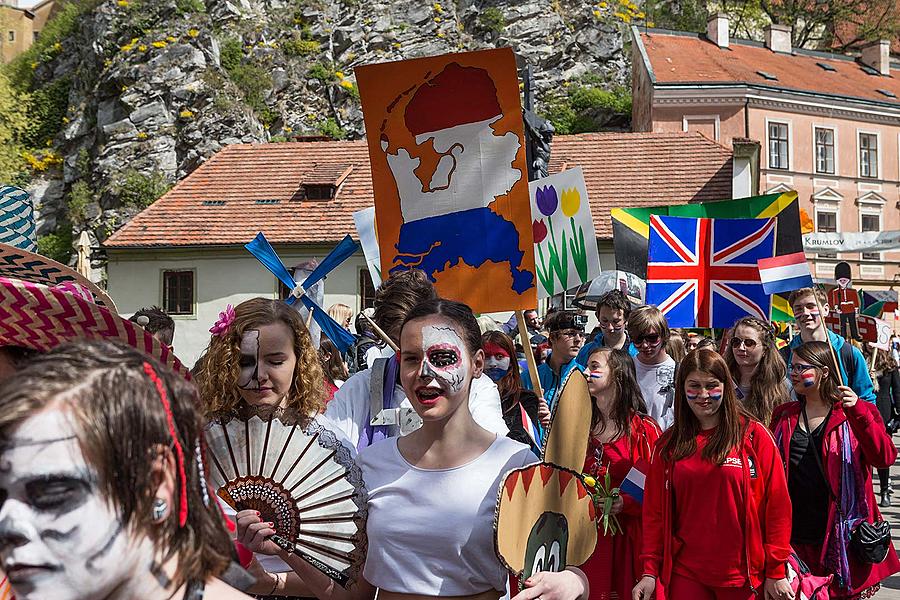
(226, 318)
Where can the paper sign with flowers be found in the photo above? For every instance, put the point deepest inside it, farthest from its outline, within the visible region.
(565, 246)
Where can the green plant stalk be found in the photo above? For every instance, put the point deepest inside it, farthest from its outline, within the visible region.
(544, 274)
(604, 497)
(579, 251)
(561, 264)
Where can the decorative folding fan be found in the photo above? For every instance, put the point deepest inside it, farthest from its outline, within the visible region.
(566, 441)
(302, 479)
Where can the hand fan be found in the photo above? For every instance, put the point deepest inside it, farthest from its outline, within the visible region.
(302, 479)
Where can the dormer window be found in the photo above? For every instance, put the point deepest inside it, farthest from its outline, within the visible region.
(319, 192)
(323, 182)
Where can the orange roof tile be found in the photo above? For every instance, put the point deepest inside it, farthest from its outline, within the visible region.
(682, 58)
(246, 188)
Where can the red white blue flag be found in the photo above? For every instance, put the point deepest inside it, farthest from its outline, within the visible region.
(704, 273)
(784, 273)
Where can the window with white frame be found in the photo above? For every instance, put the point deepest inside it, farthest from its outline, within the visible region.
(778, 146)
(870, 221)
(826, 222)
(178, 292)
(824, 150)
(868, 155)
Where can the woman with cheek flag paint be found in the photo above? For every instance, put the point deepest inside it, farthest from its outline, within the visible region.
(716, 469)
(621, 445)
(830, 441)
(519, 406)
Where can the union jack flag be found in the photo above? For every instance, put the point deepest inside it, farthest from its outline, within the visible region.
(703, 272)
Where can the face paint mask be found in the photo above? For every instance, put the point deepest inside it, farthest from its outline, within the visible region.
(496, 361)
(249, 363)
(59, 537)
(443, 359)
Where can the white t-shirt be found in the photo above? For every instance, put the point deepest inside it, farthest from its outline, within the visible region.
(657, 383)
(349, 409)
(431, 531)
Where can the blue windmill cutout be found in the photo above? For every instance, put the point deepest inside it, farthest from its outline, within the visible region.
(265, 253)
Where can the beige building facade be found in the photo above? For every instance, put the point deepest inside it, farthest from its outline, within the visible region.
(828, 125)
(21, 26)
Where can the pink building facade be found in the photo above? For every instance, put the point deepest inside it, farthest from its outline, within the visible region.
(828, 126)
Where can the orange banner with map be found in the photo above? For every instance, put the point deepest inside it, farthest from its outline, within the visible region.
(447, 147)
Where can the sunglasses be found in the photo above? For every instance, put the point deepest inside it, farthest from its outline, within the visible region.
(800, 368)
(652, 339)
(748, 343)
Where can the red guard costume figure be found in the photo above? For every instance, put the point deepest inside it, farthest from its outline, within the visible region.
(845, 300)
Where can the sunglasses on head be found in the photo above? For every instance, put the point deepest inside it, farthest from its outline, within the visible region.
(651, 338)
(748, 343)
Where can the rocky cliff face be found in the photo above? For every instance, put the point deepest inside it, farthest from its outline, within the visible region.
(155, 87)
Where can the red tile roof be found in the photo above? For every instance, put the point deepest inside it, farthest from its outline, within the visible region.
(689, 58)
(246, 188)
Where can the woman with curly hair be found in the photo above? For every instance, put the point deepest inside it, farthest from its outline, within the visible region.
(759, 372)
(261, 359)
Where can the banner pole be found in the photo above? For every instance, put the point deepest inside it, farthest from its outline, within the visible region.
(529, 354)
(834, 358)
(381, 333)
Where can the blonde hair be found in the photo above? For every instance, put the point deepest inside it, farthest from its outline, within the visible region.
(218, 369)
(340, 313)
(807, 291)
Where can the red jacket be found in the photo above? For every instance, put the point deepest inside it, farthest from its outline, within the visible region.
(877, 451)
(767, 522)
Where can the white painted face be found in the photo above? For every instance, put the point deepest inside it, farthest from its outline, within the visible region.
(59, 538)
(249, 377)
(443, 359)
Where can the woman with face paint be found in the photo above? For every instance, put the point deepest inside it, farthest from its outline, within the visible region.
(520, 406)
(715, 470)
(102, 487)
(830, 441)
(622, 438)
(760, 375)
(432, 492)
(260, 358)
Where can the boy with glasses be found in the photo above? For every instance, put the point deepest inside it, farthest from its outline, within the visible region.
(566, 331)
(613, 309)
(655, 369)
(811, 322)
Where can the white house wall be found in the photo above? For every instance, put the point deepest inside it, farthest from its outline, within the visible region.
(221, 278)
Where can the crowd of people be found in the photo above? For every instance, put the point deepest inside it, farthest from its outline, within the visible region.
(758, 453)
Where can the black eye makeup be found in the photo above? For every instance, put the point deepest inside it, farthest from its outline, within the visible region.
(54, 492)
(443, 358)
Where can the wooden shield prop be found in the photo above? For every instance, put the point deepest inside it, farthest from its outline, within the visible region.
(544, 521)
(566, 441)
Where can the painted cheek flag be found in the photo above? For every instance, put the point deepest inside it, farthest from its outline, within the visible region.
(784, 273)
(633, 484)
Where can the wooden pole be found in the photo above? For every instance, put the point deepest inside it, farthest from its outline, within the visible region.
(834, 358)
(529, 354)
(381, 333)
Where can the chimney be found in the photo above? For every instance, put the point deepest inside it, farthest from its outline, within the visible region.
(717, 29)
(778, 38)
(878, 56)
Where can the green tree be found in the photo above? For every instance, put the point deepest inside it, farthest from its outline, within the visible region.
(13, 125)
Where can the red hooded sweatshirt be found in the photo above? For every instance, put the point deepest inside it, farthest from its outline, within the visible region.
(759, 496)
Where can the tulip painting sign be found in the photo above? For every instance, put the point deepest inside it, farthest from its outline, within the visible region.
(565, 246)
(446, 145)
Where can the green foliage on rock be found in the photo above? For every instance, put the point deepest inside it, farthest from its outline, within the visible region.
(330, 128)
(190, 6)
(57, 246)
(579, 110)
(492, 19)
(137, 190)
(13, 125)
(321, 72)
(231, 53)
(77, 201)
(46, 109)
(301, 47)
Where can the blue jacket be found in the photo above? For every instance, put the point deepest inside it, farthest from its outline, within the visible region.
(856, 375)
(550, 382)
(595, 343)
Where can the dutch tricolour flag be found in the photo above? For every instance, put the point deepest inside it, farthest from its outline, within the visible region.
(784, 273)
(633, 484)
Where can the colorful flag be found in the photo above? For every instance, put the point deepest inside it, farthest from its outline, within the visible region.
(447, 149)
(784, 273)
(631, 226)
(633, 484)
(703, 272)
(565, 245)
(17, 219)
